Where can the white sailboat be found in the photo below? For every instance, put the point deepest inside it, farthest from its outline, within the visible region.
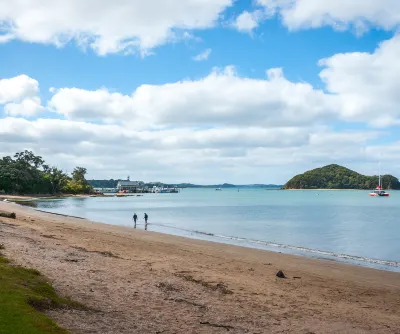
(378, 192)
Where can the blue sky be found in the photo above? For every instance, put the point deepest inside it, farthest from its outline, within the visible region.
(77, 93)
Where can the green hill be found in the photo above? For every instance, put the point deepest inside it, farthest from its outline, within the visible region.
(339, 177)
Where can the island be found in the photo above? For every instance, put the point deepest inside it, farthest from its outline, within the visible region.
(339, 177)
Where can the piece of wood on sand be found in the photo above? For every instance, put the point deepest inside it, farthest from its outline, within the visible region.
(7, 214)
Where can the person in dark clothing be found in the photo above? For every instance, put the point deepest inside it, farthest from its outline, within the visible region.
(146, 217)
(135, 218)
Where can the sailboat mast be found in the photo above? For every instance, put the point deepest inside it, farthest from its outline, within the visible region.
(380, 179)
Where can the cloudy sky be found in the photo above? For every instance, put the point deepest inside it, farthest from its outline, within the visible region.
(202, 91)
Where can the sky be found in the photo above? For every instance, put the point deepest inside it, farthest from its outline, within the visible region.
(202, 91)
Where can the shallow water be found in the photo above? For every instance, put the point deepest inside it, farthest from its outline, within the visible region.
(347, 226)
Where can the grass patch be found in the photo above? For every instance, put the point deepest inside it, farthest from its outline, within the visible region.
(24, 294)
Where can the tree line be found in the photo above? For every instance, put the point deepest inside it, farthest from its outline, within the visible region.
(26, 173)
(338, 177)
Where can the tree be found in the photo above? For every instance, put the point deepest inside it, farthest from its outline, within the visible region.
(57, 178)
(27, 173)
(78, 175)
(23, 174)
(78, 183)
(27, 157)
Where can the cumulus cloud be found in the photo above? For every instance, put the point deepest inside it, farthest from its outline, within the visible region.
(176, 155)
(366, 83)
(359, 15)
(389, 153)
(248, 21)
(20, 96)
(221, 98)
(203, 55)
(246, 128)
(359, 87)
(80, 104)
(107, 26)
(73, 132)
(27, 107)
(17, 88)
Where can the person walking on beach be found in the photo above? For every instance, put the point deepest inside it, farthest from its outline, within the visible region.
(146, 217)
(135, 218)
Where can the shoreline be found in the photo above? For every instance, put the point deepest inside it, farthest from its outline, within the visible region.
(144, 282)
(28, 198)
(324, 189)
(310, 253)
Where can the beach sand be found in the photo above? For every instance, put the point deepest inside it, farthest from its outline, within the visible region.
(145, 282)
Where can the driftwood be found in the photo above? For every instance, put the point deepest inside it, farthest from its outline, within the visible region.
(6, 214)
(227, 327)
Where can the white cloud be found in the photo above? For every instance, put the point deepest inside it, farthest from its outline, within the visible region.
(107, 26)
(72, 133)
(388, 153)
(80, 104)
(28, 107)
(248, 21)
(243, 129)
(366, 84)
(6, 38)
(203, 55)
(241, 154)
(221, 98)
(341, 14)
(20, 96)
(18, 88)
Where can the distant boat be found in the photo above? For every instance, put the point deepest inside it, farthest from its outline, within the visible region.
(169, 191)
(219, 189)
(378, 192)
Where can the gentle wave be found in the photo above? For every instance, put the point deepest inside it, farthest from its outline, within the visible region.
(277, 245)
(295, 248)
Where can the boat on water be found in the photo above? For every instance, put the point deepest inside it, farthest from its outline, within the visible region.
(218, 189)
(378, 192)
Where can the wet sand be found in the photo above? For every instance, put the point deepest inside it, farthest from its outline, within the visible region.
(145, 282)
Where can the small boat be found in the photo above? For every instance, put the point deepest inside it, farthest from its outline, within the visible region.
(219, 189)
(378, 192)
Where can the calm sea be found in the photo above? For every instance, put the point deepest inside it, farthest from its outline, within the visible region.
(346, 226)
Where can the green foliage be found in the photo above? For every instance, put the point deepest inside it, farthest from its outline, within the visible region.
(103, 183)
(338, 177)
(23, 174)
(78, 183)
(26, 173)
(57, 178)
(23, 292)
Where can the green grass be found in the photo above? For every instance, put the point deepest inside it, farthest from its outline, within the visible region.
(24, 293)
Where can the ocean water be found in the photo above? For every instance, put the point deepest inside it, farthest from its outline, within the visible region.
(347, 226)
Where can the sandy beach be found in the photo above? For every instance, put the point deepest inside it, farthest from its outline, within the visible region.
(135, 281)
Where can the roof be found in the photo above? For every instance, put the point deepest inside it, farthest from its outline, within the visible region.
(128, 183)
